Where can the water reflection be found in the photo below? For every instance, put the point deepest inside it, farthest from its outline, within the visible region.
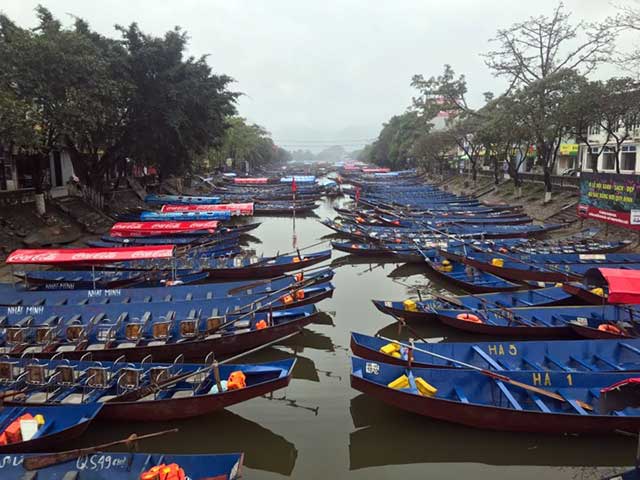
(222, 432)
(305, 368)
(388, 436)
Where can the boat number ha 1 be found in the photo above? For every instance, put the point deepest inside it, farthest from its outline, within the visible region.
(544, 379)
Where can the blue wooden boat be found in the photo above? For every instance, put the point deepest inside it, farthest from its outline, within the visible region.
(180, 200)
(543, 267)
(563, 355)
(127, 466)
(92, 383)
(87, 279)
(124, 311)
(424, 310)
(12, 296)
(474, 399)
(184, 216)
(164, 338)
(62, 423)
(608, 321)
(471, 280)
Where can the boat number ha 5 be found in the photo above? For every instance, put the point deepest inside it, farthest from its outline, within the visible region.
(543, 378)
(500, 350)
(372, 368)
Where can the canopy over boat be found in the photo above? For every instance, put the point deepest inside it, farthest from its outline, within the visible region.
(299, 179)
(251, 181)
(623, 284)
(54, 256)
(125, 229)
(236, 209)
(181, 216)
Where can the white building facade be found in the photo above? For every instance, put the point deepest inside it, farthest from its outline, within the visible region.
(603, 156)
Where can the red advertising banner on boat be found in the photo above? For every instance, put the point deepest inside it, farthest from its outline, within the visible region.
(611, 198)
(236, 209)
(251, 181)
(136, 229)
(52, 256)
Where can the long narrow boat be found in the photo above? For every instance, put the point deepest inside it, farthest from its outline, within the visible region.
(471, 398)
(163, 338)
(181, 200)
(607, 321)
(471, 280)
(105, 279)
(423, 310)
(12, 296)
(90, 383)
(561, 355)
(29, 318)
(267, 267)
(62, 423)
(127, 466)
(542, 267)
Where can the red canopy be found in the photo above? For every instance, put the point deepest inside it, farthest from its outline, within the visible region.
(125, 229)
(624, 285)
(51, 256)
(235, 208)
(251, 181)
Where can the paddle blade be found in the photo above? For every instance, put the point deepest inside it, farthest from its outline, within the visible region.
(620, 395)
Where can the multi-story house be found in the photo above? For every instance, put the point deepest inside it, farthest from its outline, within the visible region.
(601, 153)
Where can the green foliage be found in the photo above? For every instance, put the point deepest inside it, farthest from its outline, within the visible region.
(106, 100)
(242, 143)
(394, 146)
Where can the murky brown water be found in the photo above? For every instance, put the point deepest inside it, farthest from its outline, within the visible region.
(320, 428)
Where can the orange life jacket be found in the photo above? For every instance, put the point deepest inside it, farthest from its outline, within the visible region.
(261, 324)
(12, 433)
(236, 381)
(164, 472)
(299, 294)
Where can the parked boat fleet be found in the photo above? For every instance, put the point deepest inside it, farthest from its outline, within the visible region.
(569, 306)
(148, 323)
(109, 331)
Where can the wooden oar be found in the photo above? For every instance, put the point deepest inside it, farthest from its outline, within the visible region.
(42, 461)
(142, 392)
(490, 373)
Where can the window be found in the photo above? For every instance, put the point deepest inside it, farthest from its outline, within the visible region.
(594, 130)
(628, 158)
(592, 159)
(608, 159)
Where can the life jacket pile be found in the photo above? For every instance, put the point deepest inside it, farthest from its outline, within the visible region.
(164, 472)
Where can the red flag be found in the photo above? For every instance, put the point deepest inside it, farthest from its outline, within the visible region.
(357, 194)
(294, 187)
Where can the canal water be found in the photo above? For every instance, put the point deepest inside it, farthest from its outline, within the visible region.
(320, 428)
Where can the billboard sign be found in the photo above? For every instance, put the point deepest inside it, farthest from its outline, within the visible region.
(611, 198)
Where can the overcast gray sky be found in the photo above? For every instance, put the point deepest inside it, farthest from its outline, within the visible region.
(323, 71)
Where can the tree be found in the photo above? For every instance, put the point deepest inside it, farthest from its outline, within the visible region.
(445, 96)
(393, 148)
(542, 46)
(434, 150)
(619, 112)
(542, 105)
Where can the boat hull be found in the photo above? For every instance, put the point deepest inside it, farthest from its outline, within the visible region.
(494, 418)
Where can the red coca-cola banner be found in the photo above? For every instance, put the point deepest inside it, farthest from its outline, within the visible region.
(251, 181)
(133, 229)
(52, 256)
(236, 209)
